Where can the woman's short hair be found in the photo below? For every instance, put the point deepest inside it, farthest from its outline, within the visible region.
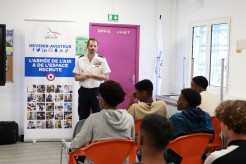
(112, 92)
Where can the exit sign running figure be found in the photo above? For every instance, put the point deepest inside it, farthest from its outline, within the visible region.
(113, 17)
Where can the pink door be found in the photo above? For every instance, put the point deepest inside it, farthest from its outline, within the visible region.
(120, 45)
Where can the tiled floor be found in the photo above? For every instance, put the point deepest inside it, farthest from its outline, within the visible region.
(29, 153)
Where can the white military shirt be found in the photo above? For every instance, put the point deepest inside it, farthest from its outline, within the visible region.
(97, 66)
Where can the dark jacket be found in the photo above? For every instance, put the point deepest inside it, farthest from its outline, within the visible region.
(188, 121)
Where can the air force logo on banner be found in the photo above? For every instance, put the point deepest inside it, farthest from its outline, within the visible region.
(50, 76)
(51, 34)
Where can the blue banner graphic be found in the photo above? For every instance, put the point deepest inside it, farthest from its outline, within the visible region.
(41, 66)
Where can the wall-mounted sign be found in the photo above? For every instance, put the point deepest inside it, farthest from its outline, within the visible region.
(9, 53)
(81, 43)
(113, 17)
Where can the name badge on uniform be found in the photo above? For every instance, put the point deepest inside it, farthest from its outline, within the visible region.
(97, 63)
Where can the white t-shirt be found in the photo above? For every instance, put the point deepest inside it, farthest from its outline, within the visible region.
(209, 102)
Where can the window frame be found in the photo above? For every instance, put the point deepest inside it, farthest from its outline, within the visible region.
(208, 24)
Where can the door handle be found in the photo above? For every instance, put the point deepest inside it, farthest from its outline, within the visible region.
(133, 78)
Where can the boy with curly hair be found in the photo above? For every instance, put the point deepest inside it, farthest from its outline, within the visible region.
(232, 115)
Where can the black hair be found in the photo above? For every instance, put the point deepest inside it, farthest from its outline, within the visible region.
(201, 80)
(145, 85)
(192, 96)
(112, 92)
(158, 130)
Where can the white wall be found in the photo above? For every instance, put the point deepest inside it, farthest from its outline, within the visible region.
(196, 10)
(177, 15)
(137, 12)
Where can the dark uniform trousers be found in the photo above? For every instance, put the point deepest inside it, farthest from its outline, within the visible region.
(88, 100)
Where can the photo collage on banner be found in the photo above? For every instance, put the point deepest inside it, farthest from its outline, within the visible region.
(49, 106)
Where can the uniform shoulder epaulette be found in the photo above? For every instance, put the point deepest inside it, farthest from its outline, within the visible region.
(101, 56)
(81, 56)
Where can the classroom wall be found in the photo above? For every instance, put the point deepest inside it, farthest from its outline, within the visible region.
(189, 11)
(137, 12)
(177, 16)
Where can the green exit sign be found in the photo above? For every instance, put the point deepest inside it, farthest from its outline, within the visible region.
(113, 17)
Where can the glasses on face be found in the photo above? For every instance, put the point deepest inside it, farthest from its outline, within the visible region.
(98, 97)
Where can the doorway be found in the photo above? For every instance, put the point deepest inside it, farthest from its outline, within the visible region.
(119, 43)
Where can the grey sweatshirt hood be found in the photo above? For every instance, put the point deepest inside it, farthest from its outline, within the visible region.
(119, 118)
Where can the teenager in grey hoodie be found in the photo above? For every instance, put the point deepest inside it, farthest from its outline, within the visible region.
(110, 122)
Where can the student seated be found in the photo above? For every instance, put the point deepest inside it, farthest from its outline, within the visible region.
(154, 135)
(190, 120)
(209, 101)
(143, 93)
(110, 122)
(232, 116)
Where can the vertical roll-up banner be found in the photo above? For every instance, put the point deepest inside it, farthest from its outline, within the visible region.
(49, 80)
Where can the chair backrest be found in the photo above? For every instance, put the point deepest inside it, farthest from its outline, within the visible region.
(137, 124)
(217, 142)
(217, 129)
(190, 147)
(78, 127)
(106, 151)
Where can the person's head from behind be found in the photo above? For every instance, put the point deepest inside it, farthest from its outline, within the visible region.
(232, 116)
(92, 45)
(189, 98)
(110, 94)
(199, 83)
(143, 90)
(155, 133)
